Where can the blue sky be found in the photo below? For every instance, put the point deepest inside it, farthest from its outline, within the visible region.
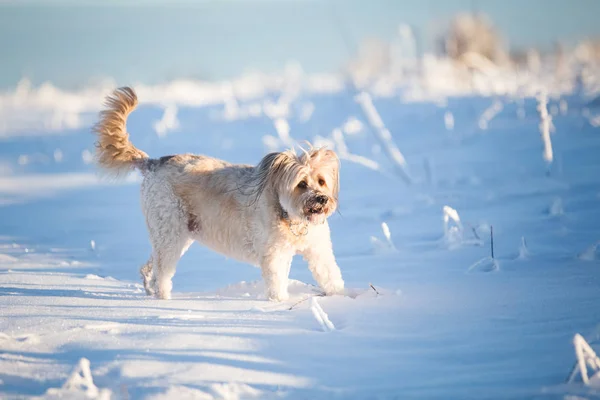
(71, 43)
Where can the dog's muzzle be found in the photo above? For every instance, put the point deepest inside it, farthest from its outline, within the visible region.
(316, 205)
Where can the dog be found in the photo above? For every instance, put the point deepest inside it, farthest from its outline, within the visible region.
(262, 215)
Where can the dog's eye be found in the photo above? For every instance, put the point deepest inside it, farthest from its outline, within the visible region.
(321, 182)
(302, 185)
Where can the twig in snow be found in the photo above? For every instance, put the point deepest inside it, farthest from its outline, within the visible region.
(451, 214)
(586, 357)
(492, 240)
(342, 149)
(383, 135)
(474, 231)
(523, 250)
(490, 113)
(546, 126)
(304, 299)
(453, 233)
(81, 379)
(373, 287)
(388, 235)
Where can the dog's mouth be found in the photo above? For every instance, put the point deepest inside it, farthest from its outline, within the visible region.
(315, 210)
(315, 213)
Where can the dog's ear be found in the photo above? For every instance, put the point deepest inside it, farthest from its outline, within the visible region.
(329, 162)
(270, 170)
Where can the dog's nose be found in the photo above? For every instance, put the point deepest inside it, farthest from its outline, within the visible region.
(321, 199)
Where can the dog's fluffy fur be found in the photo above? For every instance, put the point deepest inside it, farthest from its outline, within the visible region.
(262, 214)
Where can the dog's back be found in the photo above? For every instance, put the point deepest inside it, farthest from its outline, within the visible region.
(203, 194)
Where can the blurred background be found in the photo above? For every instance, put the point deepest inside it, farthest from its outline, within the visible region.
(74, 43)
(242, 48)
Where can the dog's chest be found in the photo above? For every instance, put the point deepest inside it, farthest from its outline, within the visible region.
(293, 236)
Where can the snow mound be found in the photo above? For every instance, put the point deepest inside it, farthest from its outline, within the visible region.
(256, 289)
(523, 250)
(487, 264)
(588, 363)
(321, 316)
(590, 253)
(235, 391)
(79, 385)
(12, 341)
(181, 393)
(383, 246)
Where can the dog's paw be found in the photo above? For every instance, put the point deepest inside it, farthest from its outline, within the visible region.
(163, 289)
(278, 296)
(149, 289)
(334, 287)
(163, 295)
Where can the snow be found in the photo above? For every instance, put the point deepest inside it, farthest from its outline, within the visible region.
(449, 120)
(353, 126)
(523, 250)
(15, 189)
(320, 315)
(546, 126)
(80, 382)
(429, 313)
(586, 357)
(383, 246)
(383, 134)
(489, 114)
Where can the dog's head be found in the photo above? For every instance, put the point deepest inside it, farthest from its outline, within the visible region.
(307, 185)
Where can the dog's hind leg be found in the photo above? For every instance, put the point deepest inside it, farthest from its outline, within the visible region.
(164, 262)
(146, 272)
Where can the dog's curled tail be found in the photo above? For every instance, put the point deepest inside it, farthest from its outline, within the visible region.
(114, 152)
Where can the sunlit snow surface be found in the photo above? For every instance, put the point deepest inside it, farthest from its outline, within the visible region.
(443, 319)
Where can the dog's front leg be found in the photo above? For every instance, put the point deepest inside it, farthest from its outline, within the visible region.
(275, 268)
(325, 270)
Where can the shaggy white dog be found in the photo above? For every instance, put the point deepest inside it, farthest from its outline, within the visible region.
(262, 215)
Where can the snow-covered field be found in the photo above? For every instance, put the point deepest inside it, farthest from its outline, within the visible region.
(442, 320)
